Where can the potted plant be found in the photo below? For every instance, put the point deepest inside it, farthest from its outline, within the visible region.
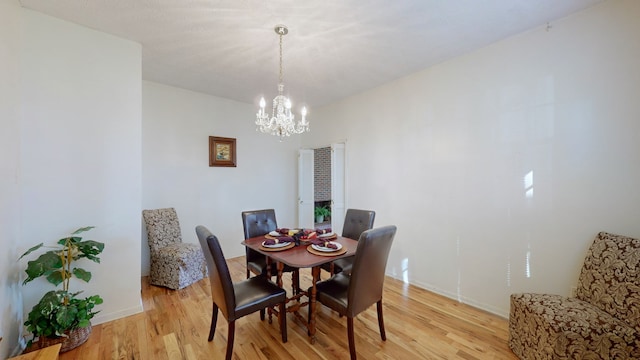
(61, 316)
(321, 212)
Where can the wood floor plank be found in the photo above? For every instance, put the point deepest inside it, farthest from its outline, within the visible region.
(172, 348)
(419, 325)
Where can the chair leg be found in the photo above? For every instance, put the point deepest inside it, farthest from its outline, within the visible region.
(283, 321)
(230, 335)
(214, 320)
(352, 341)
(383, 335)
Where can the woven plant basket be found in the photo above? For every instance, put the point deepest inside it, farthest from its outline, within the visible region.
(76, 337)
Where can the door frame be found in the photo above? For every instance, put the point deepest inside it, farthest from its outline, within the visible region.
(305, 216)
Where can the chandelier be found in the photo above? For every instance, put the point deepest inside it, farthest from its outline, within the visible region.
(282, 121)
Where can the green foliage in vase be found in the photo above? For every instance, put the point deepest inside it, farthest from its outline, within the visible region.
(60, 311)
(322, 211)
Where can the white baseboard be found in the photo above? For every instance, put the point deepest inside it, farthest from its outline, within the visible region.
(103, 318)
(492, 309)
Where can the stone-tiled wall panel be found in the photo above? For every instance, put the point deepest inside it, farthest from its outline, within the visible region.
(322, 174)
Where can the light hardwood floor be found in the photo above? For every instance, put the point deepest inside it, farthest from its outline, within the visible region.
(419, 325)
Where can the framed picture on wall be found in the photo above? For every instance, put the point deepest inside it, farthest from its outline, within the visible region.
(222, 151)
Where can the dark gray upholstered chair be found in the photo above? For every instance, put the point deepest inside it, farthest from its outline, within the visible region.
(355, 223)
(173, 264)
(351, 294)
(257, 223)
(236, 300)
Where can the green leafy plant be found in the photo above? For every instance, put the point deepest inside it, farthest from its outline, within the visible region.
(60, 311)
(322, 211)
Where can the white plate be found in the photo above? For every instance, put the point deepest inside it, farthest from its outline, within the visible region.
(274, 233)
(325, 249)
(326, 235)
(275, 246)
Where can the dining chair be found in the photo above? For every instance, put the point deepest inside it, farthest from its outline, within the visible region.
(355, 223)
(257, 223)
(173, 264)
(351, 294)
(236, 300)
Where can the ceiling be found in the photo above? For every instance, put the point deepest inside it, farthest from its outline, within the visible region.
(334, 49)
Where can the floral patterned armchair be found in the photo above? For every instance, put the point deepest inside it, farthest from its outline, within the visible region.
(601, 322)
(174, 264)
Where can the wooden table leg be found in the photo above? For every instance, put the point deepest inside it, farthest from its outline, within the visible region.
(315, 274)
(268, 259)
(280, 267)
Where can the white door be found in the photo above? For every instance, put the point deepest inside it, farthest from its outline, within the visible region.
(305, 189)
(337, 187)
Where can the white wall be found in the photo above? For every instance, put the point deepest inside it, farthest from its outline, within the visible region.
(10, 290)
(176, 127)
(80, 153)
(444, 154)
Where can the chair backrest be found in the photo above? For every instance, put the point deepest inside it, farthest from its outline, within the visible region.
(357, 221)
(610, 277)
(221, 285)
(367, 274)
(163, 227)
(258, 222)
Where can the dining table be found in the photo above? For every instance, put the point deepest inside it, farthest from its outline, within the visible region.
(302, 256)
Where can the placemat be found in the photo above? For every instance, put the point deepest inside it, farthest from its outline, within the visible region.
(324, 253)
(289, 246)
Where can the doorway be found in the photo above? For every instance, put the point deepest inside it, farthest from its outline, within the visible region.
(321, 183)
(322, 187)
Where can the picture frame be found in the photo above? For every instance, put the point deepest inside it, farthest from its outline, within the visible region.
(222, 151)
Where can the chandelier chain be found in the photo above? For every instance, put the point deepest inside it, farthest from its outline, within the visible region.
(280, 58)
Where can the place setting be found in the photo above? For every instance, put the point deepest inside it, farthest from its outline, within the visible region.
(318, 241)
(323, 246)
(327, 235)
(275, 241)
